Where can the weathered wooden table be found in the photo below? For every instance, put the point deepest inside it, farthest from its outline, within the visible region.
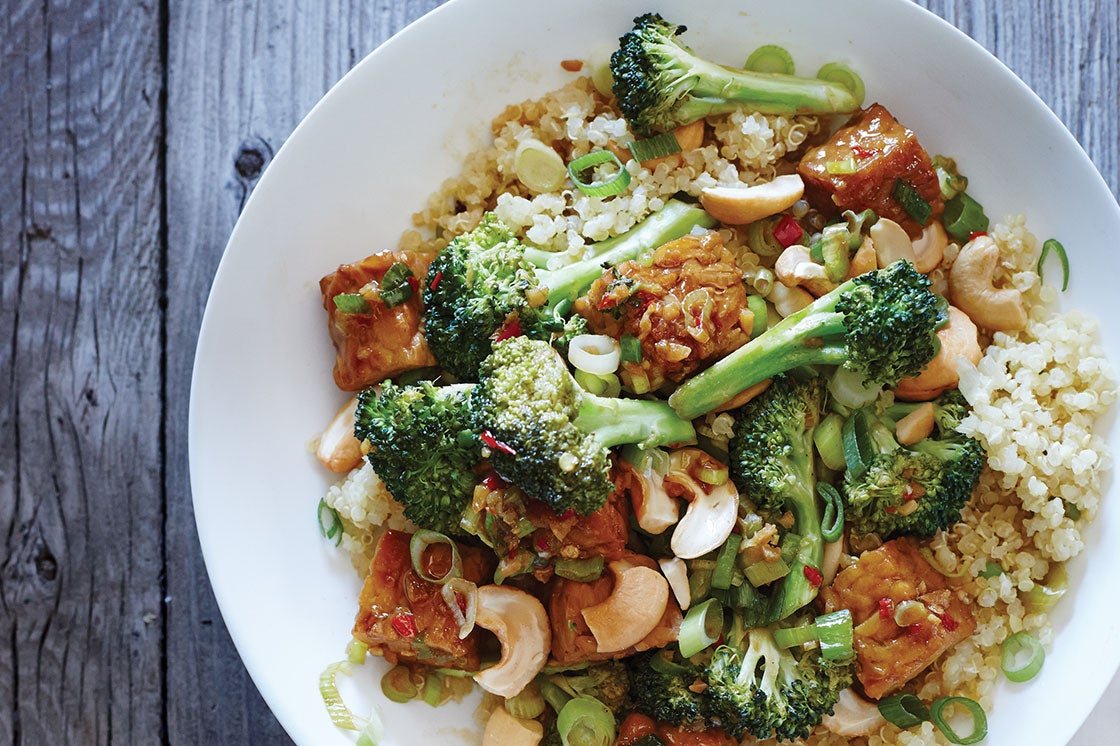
(132, 133)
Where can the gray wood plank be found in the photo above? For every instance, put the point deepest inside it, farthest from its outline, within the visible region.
(240, 77)
(80, 413)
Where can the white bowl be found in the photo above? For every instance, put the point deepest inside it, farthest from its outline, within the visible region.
(346, 183)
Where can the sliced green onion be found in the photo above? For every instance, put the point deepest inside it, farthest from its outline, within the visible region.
(662, 662)
(858, 224)
(963, 217)
(761, 573)
(615, 185)
(1022, 657)
(770, 58)
(960, 572)
(857, 443)
(1052, 244)
(842, 167)
(913, 203)
(849, 388)
(631, 348)
(461, 597)
(702, 626)
(374, 731)
(585, 721)
(834, 630)
(756, 304)
(580, 570)
(832, 525)
(760, 237)
(841, 74)
(607, 385)
(837, 258)
(699, 584)
(973, 708)
(792, 637)
(398, 685)
(554, 695)
(528, 703)
(829, 440)
(712, 474)
(330, 525)
(991, 570)
(903, 710)
(658, 146)
(396, 285)
(538, 167)
(725, 562)
(351, 303)
(356, 651)
(420, 542)
(949, 179)
(432, 690)
(339, 713)
(597, 354)
(835, 234)
(1043, 596)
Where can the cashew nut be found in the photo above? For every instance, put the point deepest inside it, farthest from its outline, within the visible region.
(959, 338)
(634, 608)
(676, 572)
(653, 507)
(794, 266)
(734, 205)
(971, 288)
(503, 729)
(854, 716)
(338, 449)
(864, 260)
(916, 426)
(929, 249)
(707, 521)
(520, 623)
(788, 300)
(891, 242)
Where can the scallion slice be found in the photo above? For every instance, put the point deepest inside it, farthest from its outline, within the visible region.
(761, 573)
(1022, 657)
(580, 570)
(702, 626)
(585, 721)
(356, 651)
(725, 562)
(913, 203)
(339, 713)
(756, 304)
(791, 637)
(832, 525)
(419, 544)
(461, 597)
(607, 385)
(841, 74)
(903, 710)
(658, 146)
(396, 285)
(580, 165)
(330, 524)
(432, 689)
(973, 708)
(963, 217)
(398, 686)
(374, 730)
(1052, 244)
(991, 570)
(829, 440)
(351, 303)
(836, 635)
(631, 348)
(1043, 596)
(857, 443)
(596, 354)
(842, 167)
(538, 166)
(770, 58)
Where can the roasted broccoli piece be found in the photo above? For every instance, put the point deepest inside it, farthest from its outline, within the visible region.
(483, 285)
(551, 438)
(758, 688)
(661, 84)
(882, 325)
(771, 463)
(660, 684)
(914, 490)
(607, 682)
(422, 448)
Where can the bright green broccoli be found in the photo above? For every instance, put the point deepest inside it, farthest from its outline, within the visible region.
(485, 283)
(660, 684)
(771, 462)
(422, 448)
(882, 325)
(661, 84)
(553, 439)
(915, 490)
(608, 682)
(758, 688)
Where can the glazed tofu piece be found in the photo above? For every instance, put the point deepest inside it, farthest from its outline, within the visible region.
(403, 617)
(382, 342)
(882, 151)
(896, 577)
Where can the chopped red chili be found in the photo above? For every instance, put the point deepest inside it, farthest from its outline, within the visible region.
(404, 624)
(919, 631)
(435, 280)
(541, 543)
(414, 283)
(511, 329)
(461, 602)
(886, 608)
(490, 441)
(494, 482)
(861, 152)
(949, 622)
(813, 575)
(788, 231)
(977, 234)
(569, 513)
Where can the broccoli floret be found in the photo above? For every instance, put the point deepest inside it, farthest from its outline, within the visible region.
(772, 464)
(607, 682)
(882, 325)
(551, 438)
(422, 448)
(483, 282)
(660, 687)
(915, 490)
(758, 688)
(661, 84)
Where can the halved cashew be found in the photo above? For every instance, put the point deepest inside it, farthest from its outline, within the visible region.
(891, 241)
(929, 249)
(676, 572)
(520, 623)
(709, 519)
(633, 609)
(959, 338)
(788, 300)
(794, 266)
(915, 426)
(653, 507)
(338, 449)
(854, 716)
(503, 729)
(971, 288)
(733, 205)
(864, 260)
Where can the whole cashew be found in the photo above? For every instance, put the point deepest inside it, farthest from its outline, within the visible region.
(929, 248)
(972, 290)
(891, 242)
(795, 266)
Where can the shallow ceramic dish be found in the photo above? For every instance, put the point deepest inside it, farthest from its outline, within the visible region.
(366, 158)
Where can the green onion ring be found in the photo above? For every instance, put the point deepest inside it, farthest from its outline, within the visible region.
(702, 626)
(1052, 244)
(842, 75)
(857, 443)
(903, 710)
(334, 530)
(605, 189)
(339, 713)
(770, 58)
(465, 618)
(792, 637)
(832, 525)
(979, 719)
(834, 630)
(1013, 647)
(658, 146)
(420, 541)
(398, 686)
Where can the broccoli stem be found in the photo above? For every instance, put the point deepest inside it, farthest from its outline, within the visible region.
(646, 423)
(719, 90)
(674, 220)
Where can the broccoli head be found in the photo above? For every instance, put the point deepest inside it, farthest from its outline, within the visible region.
(882, 325)
(916, 490)
(757, 688)
(608, 682)
(660, 684)
(422, 448)
(551, 438)
(661, 84)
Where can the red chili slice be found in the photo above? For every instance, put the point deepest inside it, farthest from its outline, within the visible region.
(435, 281)
(494, 482)
(404, 624)
(511, 329)
(788, 231)
(977, 234)
(886, 608)
(813, 575)
(491, 442)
